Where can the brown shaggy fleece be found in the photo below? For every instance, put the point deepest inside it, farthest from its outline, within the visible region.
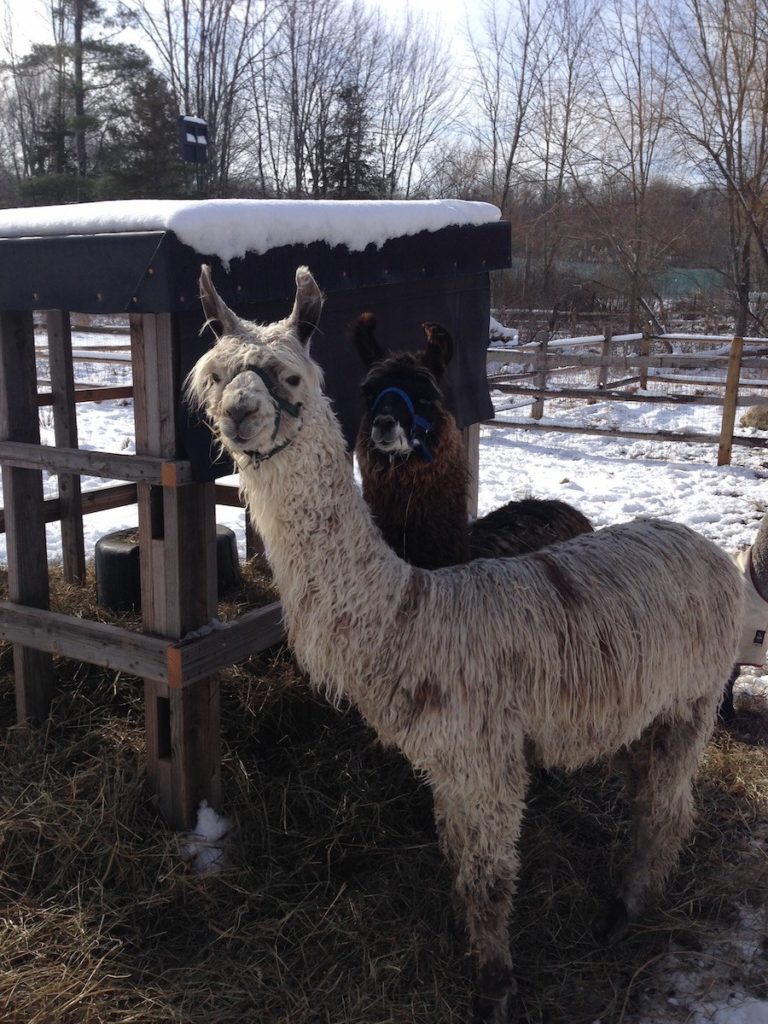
(520, 527)
(420, 503)
(403, 494)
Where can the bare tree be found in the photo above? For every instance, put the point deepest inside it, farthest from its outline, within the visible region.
(631, 72)
(415, 104)
(205, 49)
(510, 60)
(563, 116)
(346, 103)
(295, 88)
(720, 51)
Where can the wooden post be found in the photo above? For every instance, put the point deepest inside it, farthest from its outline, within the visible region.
(730, 402)
(65, 432)
(471, 438)
(24, 509)
(605, 355)
(177, 548)
(540, 381)
(645, 351)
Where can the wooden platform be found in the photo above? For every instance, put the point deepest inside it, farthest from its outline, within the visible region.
(442, 275)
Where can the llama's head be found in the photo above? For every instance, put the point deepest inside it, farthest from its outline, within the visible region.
(402, 390)
(257, 382)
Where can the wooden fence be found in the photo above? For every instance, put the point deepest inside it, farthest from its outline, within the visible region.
(637, 360)
(124, 467)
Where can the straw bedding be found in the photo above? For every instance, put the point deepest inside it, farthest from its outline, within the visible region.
(334, 905)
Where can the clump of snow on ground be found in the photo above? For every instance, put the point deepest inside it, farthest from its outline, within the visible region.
(205, 846)
(229, 228)
(499, 335)
(701, 987)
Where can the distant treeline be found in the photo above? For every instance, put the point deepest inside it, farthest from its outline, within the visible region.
(628, 135)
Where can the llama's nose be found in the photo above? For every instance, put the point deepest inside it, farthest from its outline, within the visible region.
(239, 404)
(385, 424)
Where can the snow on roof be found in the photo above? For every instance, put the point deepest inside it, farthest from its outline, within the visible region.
(228, 228)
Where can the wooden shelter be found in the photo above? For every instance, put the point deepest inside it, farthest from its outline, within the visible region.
(432, 275)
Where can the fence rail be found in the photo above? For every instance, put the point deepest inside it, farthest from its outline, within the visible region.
(634, 354)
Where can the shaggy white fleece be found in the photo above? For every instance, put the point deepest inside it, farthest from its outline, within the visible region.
(614, 642)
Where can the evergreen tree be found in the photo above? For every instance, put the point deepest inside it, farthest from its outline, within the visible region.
(140, 157)
(71, 94)
(349, 148)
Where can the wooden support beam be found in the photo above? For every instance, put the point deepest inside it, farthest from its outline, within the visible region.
(703, 360)
(145, 469)
(177, 550)
(730, 403)
(540, 381)
(93, 501)
(89, 394)
(645, 351)
(98, 643)
(614, 396)
(471, 438)
(206, 652)
(650, 435)
(23, 498)
(605, 352)
(175, 664)
(65, 433)
(228, 494)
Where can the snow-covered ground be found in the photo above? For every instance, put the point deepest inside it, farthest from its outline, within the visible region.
(611, 479)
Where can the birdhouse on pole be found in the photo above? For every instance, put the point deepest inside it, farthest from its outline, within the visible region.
(193, 139)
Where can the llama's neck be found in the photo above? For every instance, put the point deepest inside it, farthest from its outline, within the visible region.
(331, 565)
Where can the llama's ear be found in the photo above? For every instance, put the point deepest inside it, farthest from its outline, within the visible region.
(308, 305)
(365, 341)
(439, 350)
(218, 315)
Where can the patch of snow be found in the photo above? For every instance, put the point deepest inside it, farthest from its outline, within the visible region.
(230, 228)
(499, 335)
(205, 845)
(700, 988)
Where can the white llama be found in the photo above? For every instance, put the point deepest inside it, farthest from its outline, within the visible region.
(615, 641)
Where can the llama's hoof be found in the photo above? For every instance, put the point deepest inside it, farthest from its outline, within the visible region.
(494, 1002)
(494, 1011)
(615, 924)
(727, 712)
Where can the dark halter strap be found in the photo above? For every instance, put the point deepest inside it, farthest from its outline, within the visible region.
(282, 405)
(421, 427)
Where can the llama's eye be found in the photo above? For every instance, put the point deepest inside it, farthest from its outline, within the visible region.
(294, 381)
(215, 378)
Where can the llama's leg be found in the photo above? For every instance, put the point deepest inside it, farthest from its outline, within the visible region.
(450, 833)
(485, 885)
(727, 710)
(660, 768)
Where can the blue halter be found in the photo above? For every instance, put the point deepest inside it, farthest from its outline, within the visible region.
(421, 427)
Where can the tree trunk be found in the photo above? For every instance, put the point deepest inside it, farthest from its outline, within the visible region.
(79, 90)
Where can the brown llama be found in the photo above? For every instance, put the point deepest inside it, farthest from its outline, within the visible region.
(414, 468)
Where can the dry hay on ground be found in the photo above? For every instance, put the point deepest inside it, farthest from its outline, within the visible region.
(334, 904)
(756, 416)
